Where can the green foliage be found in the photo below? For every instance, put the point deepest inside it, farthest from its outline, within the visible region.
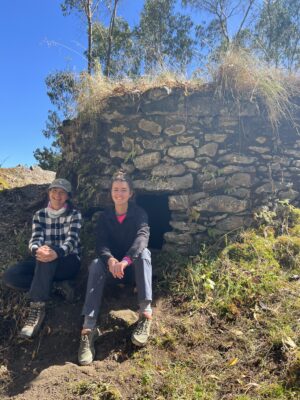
(220, 32)
(287, 251)
(181, 382)
(277, 33)
(164, 37)
(123, 60)
(62, 90)
(283, 219)
(47, 158)
(95, 390)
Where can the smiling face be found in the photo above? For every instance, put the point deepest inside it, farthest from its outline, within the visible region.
(120, 194)
(57, 198)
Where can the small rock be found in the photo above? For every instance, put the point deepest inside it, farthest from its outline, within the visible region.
(128, 317)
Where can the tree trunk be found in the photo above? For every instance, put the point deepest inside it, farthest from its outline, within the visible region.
(90, 35)
(110, 38)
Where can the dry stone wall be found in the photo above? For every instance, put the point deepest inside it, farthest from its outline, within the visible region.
(216, 160)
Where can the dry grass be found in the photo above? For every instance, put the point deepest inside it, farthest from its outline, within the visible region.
(95, 90)
(238, 74)
(245, 77)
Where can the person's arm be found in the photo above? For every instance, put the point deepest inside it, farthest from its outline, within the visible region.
(102, 241)
(37, 236)
(72, 240)
(142, 236)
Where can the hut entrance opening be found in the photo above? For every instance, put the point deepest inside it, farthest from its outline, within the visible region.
(159, 215)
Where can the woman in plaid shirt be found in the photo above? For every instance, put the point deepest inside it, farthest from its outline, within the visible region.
(55, 253)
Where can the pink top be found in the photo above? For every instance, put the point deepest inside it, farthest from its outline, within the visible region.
(121, 218)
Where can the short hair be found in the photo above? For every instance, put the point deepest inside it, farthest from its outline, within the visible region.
(122, 176)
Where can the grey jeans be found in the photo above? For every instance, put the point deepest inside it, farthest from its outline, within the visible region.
(98, 274)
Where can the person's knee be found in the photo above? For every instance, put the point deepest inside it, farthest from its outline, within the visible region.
(145, 255)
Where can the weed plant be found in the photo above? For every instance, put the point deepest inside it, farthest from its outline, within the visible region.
(246, 286)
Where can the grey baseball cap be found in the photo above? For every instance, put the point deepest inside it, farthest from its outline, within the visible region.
(62, 184)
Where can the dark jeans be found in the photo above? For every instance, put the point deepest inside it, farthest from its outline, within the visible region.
(99, 273)
(37, 277)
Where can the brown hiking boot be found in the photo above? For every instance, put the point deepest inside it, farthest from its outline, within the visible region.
(86, 352)
(34, 320)
(141, 333)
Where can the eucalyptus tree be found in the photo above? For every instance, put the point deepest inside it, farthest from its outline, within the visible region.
(120, 60)
(229, 22)
(62, 88)
(87, 9)
(163, 36)
(277, 33)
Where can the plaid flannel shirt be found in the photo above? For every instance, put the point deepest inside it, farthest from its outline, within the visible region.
(61, 233)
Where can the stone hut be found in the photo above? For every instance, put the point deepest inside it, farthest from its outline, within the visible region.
(200, 165)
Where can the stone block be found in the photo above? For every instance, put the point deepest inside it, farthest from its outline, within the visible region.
(173, 184)
(147, 160)
(150, 126)
(221, 204)
(181, 152)
(174, 130)
(209, 149)
(168, 170)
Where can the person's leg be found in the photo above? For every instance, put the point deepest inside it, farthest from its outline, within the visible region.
(95, 286)
(94, 292)
(20, 275)
(42, 281)
(39, 293)
(67, 269)
(143, 276)
(46, 272)
(64, 277)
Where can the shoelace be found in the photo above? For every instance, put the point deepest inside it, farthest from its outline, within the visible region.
(142, 326)
(85, 340)
(33, 317)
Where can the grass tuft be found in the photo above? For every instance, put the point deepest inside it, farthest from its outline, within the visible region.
(244, 77)
(95, 90)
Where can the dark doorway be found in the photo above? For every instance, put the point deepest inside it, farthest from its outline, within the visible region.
(159, 215)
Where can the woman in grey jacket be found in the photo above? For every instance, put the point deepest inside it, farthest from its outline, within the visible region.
(121, 241)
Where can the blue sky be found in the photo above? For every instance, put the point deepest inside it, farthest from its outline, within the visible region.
(36, 40)
(25, 28)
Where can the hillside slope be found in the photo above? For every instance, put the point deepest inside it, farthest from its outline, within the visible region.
(226, 324)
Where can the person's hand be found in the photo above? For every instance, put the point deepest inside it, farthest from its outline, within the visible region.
(119, 269)
(45, 254)
(116, 268)
(111, 263)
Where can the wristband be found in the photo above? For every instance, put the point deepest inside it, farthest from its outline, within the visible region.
(127, 259)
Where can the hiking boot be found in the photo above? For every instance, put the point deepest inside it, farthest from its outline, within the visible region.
(34, 320)
(64, 289)
(86, 352)
(141, 333)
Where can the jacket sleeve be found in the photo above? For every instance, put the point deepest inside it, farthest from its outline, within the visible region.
(142, 235)
(72, 240)
(102, 240)
(37, 235)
